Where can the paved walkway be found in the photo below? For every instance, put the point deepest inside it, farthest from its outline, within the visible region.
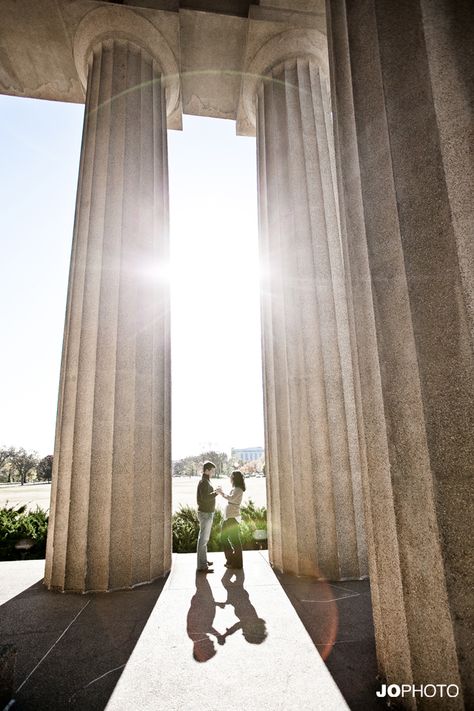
(248, 641)
(224, 642)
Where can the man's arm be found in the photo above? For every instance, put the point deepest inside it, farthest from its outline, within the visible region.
(210, 492)
(205, 492)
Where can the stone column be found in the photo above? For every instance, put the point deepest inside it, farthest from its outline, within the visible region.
(312, 449)
(111, 495)
(402, 100)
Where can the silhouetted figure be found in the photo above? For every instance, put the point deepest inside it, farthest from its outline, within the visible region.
(253, 627)
(200, 621)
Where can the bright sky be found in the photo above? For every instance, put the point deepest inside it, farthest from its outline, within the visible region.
(217, 390)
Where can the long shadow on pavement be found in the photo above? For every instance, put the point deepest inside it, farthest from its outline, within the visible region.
(71, 649)
(202, 611)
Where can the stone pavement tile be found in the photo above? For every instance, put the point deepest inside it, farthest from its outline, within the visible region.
(338, 618)
(222, 642)
(71, 649)
(83, 642)
(17, 575)
(253, 560)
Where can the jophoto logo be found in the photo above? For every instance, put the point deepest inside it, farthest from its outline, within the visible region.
(427, 691)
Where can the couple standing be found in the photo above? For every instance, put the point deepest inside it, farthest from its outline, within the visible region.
(230, 534)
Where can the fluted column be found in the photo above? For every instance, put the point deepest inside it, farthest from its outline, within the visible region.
(402, 99)
(111, 495)
(312, 448)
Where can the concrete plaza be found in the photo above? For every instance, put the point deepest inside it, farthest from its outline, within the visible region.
(219, 642)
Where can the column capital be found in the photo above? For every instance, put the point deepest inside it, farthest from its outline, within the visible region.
(288, 45)
(119, 23)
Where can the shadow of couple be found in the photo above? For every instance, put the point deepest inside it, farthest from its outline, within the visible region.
(200, 619)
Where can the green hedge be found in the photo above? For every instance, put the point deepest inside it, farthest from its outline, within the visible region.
(17, 523)
(185, 525)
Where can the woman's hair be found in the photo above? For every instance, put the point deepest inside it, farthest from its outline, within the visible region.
(238, 480)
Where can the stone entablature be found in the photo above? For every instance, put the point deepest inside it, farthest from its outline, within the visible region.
(203, 53)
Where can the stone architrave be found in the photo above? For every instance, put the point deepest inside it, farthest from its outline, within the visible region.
(402, 98)
(312, 446)
(110, 522)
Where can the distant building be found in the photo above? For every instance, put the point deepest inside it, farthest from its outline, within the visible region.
(248, 454)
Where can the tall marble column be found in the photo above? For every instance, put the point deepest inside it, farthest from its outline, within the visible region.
(111, 495)
(312, 448)
(402, 99)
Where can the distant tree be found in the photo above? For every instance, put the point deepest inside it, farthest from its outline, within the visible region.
(5, 454)
(192, 465)
(23, 463)
(249, 467)
(252, 467)
(184, 467)
(44, 469)
(220, 459)
(5, 461)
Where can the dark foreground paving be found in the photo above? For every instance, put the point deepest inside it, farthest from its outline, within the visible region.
(72, 649)
(338, 618)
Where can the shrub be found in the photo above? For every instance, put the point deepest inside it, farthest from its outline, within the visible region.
(17, 523)
(254, 516)
(185, 524)
(215, 539)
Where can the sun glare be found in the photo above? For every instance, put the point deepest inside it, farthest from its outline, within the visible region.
(214, 280)
(158, 272)
(212, 274)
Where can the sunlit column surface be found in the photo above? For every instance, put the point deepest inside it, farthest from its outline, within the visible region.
(312, 447)
(111, 499)
(402, 101)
